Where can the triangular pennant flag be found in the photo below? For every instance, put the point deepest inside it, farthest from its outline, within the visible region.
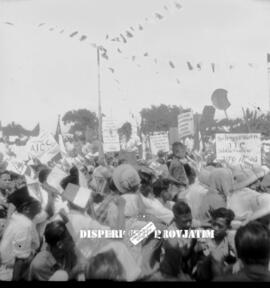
(73, 34)
(77, 195)
(9, 23)
(177, 5)
(159, 16)
(189, 66)
(105, 56)
(123, 38)
(83, 37)
(129, 34)
(213, 67)
(171, 64)
(58, 129)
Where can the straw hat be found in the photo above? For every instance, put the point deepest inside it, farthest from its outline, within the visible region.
(205, 174)
(126, 178)
(246, 177)
(263, 207)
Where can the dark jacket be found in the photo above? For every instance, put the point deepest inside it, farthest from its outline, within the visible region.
(251, 273)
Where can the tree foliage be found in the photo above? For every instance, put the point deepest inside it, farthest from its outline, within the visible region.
(159, 118)
(125, 130)
(81, 120)
(254, 122)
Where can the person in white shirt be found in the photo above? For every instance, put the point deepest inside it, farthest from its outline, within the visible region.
(20, 240)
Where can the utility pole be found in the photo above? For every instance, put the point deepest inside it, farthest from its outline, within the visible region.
(101, 152)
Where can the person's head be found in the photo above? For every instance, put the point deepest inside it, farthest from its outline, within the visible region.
(4, 180)
(179, 150)
(30, 208)
(72, 178)
(43, 175)
(252, 244)
(221, 219)
(105, 266)
(161, 189)
(58, 238)
(182, 215)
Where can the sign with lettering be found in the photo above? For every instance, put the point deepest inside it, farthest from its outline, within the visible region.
(44, 147)
(185, 124)
(235, 149)
(110, 135)
(159, 141)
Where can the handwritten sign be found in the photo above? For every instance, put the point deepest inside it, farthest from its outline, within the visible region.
(235, 149)
(185, 124)
(111, 141)
(159, 141)
(44, 147)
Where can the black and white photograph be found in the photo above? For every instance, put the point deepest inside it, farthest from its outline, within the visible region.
(135, 141)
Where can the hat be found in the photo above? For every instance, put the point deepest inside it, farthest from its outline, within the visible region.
(263, 207)
(246, 177)
(19, 197)
(126, 178)
(205, 174)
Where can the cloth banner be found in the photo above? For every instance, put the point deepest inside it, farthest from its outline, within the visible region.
(185, 124)
(239, 149)
(159, 141)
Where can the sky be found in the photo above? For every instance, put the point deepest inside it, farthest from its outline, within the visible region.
(44, 73)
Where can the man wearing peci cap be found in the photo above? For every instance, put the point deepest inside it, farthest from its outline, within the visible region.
(19, 241)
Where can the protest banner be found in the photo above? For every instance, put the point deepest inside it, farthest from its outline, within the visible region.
(239, 149)
(111, 141)
(55, 177)
(159, 141)
(185, 124)
(44, 147)
(18, 167)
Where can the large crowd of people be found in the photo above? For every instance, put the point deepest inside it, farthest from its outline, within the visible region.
(41, 224)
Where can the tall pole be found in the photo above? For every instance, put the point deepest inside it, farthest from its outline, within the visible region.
(101, 152)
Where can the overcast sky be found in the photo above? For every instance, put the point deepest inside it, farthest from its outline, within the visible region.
(44, 73)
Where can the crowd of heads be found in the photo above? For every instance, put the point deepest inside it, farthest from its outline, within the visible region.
(175, 191)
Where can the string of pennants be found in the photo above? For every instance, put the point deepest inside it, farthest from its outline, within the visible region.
(121, 40)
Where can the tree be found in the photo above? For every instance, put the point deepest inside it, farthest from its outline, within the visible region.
(82, 120)
(159, 118)
(125, 130)
(14, 129)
